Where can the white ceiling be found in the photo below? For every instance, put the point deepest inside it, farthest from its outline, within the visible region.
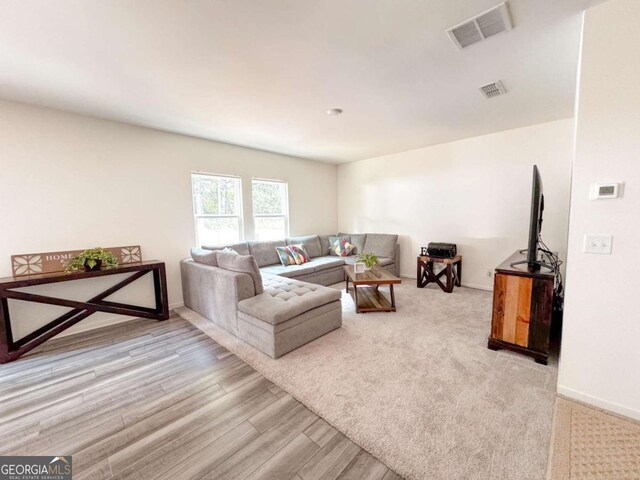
(262, 73)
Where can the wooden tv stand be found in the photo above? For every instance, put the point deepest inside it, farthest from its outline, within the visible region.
(522, 309)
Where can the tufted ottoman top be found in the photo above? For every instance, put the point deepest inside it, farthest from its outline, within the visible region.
(285, 298)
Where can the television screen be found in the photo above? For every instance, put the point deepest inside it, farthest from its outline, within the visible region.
(535, 222)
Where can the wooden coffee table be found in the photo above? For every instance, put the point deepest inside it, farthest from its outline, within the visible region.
(366, 289)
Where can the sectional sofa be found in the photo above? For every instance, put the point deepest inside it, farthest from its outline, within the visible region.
(274, 308)
(324, 268)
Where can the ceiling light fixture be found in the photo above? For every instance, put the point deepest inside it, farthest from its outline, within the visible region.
(334, 111)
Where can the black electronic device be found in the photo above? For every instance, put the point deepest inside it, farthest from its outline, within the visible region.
(440, 250)
(533, 261)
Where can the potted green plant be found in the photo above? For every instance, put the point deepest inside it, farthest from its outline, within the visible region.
(91, 260)
(369, 260)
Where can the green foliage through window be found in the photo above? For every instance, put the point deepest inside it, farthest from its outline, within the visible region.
(270, 209)
(215, 195)
(217, 209)
(269, 198)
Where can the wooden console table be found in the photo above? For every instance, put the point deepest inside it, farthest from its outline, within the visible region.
(522, 309)
(452, 269)
(11, 349)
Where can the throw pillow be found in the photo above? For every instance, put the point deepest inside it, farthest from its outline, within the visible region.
(207, 257)
(286, 256)
(341, 248)
(241, 248)
(229, 250)
(332, 241)
(300, 253)
(292, 255)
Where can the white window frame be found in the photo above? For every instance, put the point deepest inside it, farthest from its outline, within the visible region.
(286, 205)
(239, 215)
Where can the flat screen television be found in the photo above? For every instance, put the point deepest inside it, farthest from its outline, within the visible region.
(535, 221)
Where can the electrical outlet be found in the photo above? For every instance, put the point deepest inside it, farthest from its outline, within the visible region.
(600, 244)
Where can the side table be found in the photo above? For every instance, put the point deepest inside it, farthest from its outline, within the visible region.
(452, 269)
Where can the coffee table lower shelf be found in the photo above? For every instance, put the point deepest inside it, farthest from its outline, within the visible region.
(371, 299)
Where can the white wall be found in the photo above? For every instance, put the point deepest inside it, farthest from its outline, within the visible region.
(474, 192)
(69, 182)
(600, 360)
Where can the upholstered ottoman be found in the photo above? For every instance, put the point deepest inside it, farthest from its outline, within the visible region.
(288, 314)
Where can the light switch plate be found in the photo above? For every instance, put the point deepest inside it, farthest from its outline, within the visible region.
(600, 244)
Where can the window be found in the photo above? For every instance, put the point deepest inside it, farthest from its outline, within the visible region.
(217, 207)
(270, 209)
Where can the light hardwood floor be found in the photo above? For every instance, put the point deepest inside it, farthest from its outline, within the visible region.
(146, 399)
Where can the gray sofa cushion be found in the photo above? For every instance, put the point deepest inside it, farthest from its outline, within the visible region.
(357, 240)
(202, 255)
(241, 264)
(311, 244)
(265, 251)
(241, 248)
(384, 261)
(285, 298)
(381, 244)
(324, 243)
(324, 263)
(289, 270)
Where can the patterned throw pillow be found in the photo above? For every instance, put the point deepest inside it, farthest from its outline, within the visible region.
(300, 253)
(292, 255)
(341, 247)
(332, 241)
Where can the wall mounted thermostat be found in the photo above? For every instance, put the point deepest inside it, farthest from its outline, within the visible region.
(601, 191)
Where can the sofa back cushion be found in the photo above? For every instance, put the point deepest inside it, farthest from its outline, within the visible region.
(324, 243)
(311, 244)
(201, 255)
(357, 240)
(381, 244)
(241, 264)
(265, 251)
(242, 248)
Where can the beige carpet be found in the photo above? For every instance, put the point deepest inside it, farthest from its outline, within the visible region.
(419, 389)
(589, 444)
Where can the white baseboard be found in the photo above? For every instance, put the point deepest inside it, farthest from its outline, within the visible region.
(92, 324)
(464, 284)
(598, 402)
(477, 286)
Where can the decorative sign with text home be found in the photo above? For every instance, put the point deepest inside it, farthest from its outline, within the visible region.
(50, 262)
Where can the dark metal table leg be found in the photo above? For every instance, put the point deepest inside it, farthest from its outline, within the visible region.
(393, 297)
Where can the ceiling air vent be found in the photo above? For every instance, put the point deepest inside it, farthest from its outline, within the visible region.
(494, 89)
(485, 25)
